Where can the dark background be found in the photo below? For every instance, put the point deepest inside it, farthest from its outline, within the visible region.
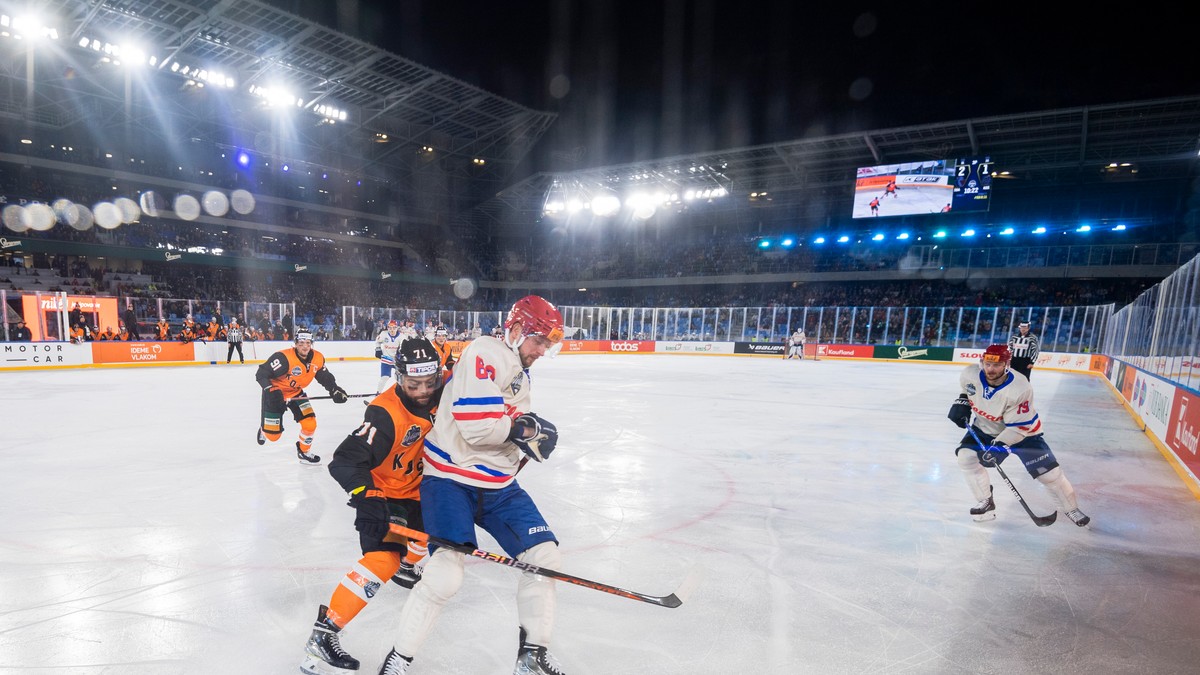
(638, 80)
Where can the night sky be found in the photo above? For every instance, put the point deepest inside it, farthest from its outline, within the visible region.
(638, 80)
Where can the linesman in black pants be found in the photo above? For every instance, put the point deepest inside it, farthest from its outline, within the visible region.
(1024, 347)
(234, 336)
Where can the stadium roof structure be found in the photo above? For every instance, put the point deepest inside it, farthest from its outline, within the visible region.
(1145, 140)
(368, 108)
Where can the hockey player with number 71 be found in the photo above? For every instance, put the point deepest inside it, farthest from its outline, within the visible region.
(1006, 422)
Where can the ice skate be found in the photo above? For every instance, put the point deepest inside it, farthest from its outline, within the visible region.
(407, 576)
(535, 660)
(395, 664)
(262, 439)
(308, 458)
(323, 653)
(1079, 517)
(985, 510)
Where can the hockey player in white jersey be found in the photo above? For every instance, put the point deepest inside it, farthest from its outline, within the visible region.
(386, 344)
(796, 345)
(481, 437)
(1001, 401)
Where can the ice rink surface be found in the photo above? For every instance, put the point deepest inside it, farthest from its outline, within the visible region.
(143, 531)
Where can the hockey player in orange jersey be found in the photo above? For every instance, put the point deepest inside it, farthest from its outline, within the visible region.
(379, 465)
(283, 377)
(443, 349)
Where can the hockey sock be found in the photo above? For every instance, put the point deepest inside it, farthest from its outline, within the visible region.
(308, 428)
(361, 584)
(416, 552)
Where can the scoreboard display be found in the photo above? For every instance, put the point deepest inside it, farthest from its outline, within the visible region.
(931, 186)
(972, 184)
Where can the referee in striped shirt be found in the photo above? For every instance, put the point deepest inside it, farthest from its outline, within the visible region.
(1024, 346)
(234, 336)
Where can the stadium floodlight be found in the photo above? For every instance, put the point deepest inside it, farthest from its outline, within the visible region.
(902, 235)
(605, 204)
(1039, 230)
(243, 158)
(1006, 231)
(787, 243)
(968, 233)
(940, 234)
(843, 239)
(765, 243)
(819, 240)
(1084, 228)
(877, 237)
(1119, 228)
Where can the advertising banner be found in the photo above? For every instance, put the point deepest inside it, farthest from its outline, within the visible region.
(42, 317)
(846, 351)
(1151, 398)
(142, 352)
(626, 346)
(693, 347)
(1184, 429)
(41, 354)
(905, 353)
(769, 348)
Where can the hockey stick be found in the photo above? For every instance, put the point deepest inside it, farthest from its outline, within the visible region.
(670, 601)
(1040, 521)
(318, 398)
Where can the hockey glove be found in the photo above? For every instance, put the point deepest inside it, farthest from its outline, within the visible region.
(339, 395)
(534, 436)
(379, 353)
(273, 399)
(960, 412)
(989, 458)
(371, 517)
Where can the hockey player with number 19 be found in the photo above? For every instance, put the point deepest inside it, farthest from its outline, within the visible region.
(386, 344)
(1007, 423)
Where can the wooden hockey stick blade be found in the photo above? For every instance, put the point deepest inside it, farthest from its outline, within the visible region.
(669, 601)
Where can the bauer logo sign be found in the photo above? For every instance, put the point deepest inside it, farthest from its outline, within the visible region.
(773, 348)
(142, 352)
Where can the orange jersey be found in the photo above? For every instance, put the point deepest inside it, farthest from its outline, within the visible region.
(287, 373)
(443, 351)
(388, 446)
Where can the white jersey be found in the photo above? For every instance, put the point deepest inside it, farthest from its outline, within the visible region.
(1006, 411)
(389, 344)
(469, 441)
(799, 337)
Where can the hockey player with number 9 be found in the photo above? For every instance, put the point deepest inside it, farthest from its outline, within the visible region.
(483, 434)
(1001, 402)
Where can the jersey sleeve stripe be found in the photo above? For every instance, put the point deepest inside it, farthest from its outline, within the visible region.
(480, 400)
(477, 415)
(1023, 423)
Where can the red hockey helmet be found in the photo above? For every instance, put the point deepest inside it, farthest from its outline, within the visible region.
(997, 354)
(537, 316)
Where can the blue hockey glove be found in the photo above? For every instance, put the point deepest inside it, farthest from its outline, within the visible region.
(960, 412)
(534, 436)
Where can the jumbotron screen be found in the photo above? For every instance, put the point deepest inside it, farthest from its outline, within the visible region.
(918, 188)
